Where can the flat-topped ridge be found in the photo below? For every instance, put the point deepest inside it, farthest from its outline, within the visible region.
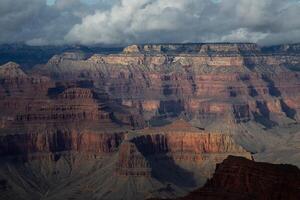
(180, 125)
(74, 56)
(201, 48)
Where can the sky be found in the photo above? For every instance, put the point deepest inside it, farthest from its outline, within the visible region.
(90, 22)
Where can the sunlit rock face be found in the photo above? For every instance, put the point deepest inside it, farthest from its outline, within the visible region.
(203, 82)
(120, 126)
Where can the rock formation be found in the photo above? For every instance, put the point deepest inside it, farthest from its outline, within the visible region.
(131, 162)
(239, 178)
(11, 70)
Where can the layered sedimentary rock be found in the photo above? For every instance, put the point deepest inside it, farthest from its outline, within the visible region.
(180, 139)
(27, 144)
(239, 178)
(239, 82)
(131, 162)
(186, 142)
(97, 126)
(28, 100)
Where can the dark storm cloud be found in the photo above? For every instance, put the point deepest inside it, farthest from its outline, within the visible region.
(34, 22)
(144, 21)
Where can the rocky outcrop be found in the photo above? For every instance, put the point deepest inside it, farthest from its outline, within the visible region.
(66, 56)
(239, 178)
(11, 70)
(15, 82)
(131, 49)
(131, 162)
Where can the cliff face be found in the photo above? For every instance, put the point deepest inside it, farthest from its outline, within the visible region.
(239, 82)
(178, 143)
(27, 144)
(239, 178)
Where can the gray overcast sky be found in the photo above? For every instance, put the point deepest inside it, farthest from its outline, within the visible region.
(42, 22)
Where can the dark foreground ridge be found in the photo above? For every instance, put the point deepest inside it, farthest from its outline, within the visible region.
(238, 178)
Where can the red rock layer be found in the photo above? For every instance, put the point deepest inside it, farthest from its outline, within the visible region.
(194, 143)
(176, 142)
(26, 144)
(182, 138)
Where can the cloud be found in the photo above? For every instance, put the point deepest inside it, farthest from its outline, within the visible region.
(144, 21)
(35, 22)
(149, 21)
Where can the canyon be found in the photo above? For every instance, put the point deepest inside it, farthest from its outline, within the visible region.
(151, 121)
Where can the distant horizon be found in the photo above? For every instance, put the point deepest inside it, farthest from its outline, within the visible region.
(130, 44)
